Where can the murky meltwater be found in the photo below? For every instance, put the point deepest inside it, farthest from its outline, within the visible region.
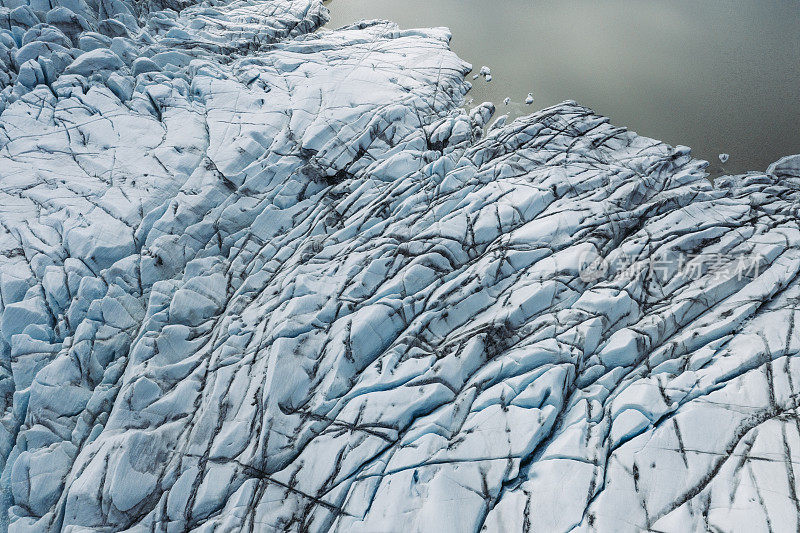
(721, 77)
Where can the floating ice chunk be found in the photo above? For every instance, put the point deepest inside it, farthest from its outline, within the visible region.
(724, 157)
(485, 71)
(488, 77)
(507, 100)
(529, 99)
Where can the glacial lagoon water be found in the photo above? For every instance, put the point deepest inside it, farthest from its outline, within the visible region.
(719, 76)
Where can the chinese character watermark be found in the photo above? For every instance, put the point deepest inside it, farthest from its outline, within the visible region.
(716, 266)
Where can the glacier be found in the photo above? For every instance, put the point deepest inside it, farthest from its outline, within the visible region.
(260, 275)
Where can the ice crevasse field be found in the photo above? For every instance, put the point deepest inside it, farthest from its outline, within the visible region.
(263, 273)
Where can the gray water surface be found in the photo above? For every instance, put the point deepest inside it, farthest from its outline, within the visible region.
(719, 76)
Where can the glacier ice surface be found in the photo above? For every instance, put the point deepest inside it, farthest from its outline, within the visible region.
(258, 275)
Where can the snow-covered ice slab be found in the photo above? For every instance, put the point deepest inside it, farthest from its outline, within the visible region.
(255, 276)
